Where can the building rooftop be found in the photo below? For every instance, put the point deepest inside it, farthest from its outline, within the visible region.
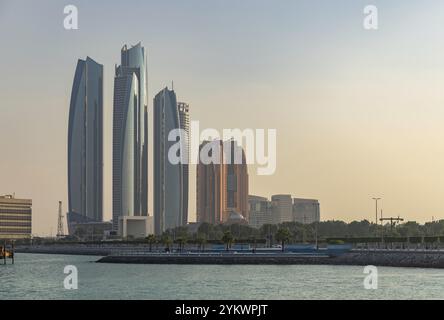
(10, 198)
(304, 200)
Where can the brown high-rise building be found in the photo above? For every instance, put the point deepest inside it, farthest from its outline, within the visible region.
(211, 181)
(222, 187)
(237, 181)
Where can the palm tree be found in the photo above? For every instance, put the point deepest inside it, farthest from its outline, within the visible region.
(151, 239)
(254, 243)
(283, 235)
(181, 241)
(166, 240)
(206, 229)
(201, 240)
(267, 231)
(228, 239)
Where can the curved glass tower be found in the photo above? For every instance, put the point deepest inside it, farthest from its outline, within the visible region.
(130, 136)
(170, 180)
(85, 143)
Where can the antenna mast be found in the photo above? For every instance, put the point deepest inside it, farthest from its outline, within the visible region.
(60, 233)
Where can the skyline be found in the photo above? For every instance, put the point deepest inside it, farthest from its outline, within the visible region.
(376, 107)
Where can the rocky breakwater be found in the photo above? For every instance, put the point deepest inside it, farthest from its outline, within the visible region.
(392, 258)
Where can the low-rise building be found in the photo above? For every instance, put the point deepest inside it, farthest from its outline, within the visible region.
(90, 231)
(306, 211)
(260, 211)
(135, 226)
(15, 217)
(282, 208)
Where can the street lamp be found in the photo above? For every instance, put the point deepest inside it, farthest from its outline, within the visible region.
(376, 202)
(317, 218)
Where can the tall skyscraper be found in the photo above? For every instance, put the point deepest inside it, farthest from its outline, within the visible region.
(130, 135)
(85, 144)
(211, 185)
(184, 120)
(237, 180)
(169, 184)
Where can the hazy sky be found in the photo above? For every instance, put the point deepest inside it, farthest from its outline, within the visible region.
(358, 113)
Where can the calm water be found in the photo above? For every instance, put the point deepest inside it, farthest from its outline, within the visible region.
(37, 276)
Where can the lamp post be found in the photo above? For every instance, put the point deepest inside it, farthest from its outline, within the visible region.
(376, 203)
(316, 220)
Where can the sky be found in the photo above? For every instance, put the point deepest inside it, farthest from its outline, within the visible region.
(358, 112)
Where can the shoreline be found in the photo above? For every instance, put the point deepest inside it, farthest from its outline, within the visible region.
(127, 255)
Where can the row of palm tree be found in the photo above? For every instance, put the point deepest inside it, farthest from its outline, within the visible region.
(283, 235)
(228, 239)
(167, 241)
(324, 229)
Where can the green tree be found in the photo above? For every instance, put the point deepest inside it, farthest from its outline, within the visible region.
(151, 239)
(201, 240)
(283, 235)
(181, 232)
(206, 229)
(181, 241)
(228, 239)
(167, 241)
(268, 231)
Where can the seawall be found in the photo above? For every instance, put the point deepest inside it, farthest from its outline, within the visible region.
(392, 258)
(69, 250)
(409, 259)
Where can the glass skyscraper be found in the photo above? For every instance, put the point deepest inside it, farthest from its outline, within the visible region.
(170, 180)
(130, 135)
(85, 143)
(184, 121)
